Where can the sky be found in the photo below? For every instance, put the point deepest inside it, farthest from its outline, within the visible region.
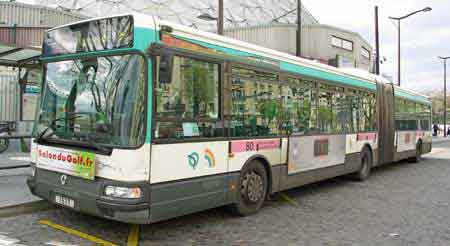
(424, 35)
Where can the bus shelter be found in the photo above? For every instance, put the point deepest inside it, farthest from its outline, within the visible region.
(20, 76)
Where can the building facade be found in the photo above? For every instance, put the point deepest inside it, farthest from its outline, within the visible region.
(324, 43)
(24, 24)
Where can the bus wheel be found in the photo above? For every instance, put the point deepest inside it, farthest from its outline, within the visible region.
(252, 189)
(366, 165)
(418, 156)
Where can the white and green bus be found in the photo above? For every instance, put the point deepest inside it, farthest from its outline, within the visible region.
(142, 120)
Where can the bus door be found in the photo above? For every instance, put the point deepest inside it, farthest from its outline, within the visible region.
(386, 122)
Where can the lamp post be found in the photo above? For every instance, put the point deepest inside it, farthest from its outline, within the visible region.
(377, 44)
(445, 92)
(398, 19)
(298, 41)
(208, 17)
(299, 28)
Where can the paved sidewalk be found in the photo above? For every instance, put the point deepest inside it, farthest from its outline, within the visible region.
(440, 139)
(13, 188)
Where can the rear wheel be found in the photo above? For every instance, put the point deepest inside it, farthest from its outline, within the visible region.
(252, 189)
(418, 156)
(366, 165)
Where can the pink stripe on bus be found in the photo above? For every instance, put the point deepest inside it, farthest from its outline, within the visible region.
(254, 145)
(366, 136)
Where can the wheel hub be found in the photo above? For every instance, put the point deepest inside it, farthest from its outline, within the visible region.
(252, 187)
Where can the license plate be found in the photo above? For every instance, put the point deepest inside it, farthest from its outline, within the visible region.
(65, 201)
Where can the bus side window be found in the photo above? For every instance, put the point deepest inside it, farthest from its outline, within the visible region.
(188, 106)
(299, 107)
(255, 103)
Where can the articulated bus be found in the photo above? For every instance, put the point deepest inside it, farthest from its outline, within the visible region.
(142, 120)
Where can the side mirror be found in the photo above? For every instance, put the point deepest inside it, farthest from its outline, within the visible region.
(165, 67)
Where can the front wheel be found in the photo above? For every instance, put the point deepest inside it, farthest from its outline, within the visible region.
(252, 189)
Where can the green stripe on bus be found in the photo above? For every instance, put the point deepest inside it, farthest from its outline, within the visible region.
(148, 136)
(143, 37)
(416, 98)
(315, 73)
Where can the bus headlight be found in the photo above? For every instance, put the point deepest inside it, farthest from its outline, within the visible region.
(123, 192)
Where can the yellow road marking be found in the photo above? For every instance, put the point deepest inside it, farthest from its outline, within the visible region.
(289, 200)
(133, 237)
(77, 233)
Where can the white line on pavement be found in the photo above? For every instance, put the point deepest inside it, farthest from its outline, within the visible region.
(20, 158)
(55, 243)
(5, 240)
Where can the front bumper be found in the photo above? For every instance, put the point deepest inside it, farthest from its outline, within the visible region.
(89, 198)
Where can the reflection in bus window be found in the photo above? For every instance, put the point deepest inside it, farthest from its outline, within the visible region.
(411, 116)
(298, 106)
(256, 108)
(188, 106)
(333, 110)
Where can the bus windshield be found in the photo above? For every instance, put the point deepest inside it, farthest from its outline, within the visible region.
(101, 99)
(102, 34)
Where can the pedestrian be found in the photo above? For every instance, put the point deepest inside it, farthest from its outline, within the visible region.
(435, 129)
(448, 131)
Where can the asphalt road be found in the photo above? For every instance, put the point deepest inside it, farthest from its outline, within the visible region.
(401, 204)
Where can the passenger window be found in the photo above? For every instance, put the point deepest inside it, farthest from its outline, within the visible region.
(299, 109)
(188, 106)
(255, 103)
(333, 110)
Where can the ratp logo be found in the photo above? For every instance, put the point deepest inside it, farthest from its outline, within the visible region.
(194, 159)
(209, 156)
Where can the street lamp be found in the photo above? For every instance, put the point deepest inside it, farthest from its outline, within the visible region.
(299, 29)
(445, 92)
(398, 19)
(208, 17)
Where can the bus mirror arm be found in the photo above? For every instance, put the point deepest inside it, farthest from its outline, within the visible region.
(165, 67)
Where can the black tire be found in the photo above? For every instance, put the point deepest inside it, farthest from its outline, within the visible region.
(418, 157)
(252, 189)
(366, 165)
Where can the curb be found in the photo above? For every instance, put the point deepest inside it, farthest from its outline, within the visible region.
(25, 208)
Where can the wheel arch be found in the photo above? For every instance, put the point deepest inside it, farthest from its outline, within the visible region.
(419, 144)
(368, 147)
(420, 141)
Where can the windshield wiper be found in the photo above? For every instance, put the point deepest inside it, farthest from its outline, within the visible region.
(53, 125)
(93, 144)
